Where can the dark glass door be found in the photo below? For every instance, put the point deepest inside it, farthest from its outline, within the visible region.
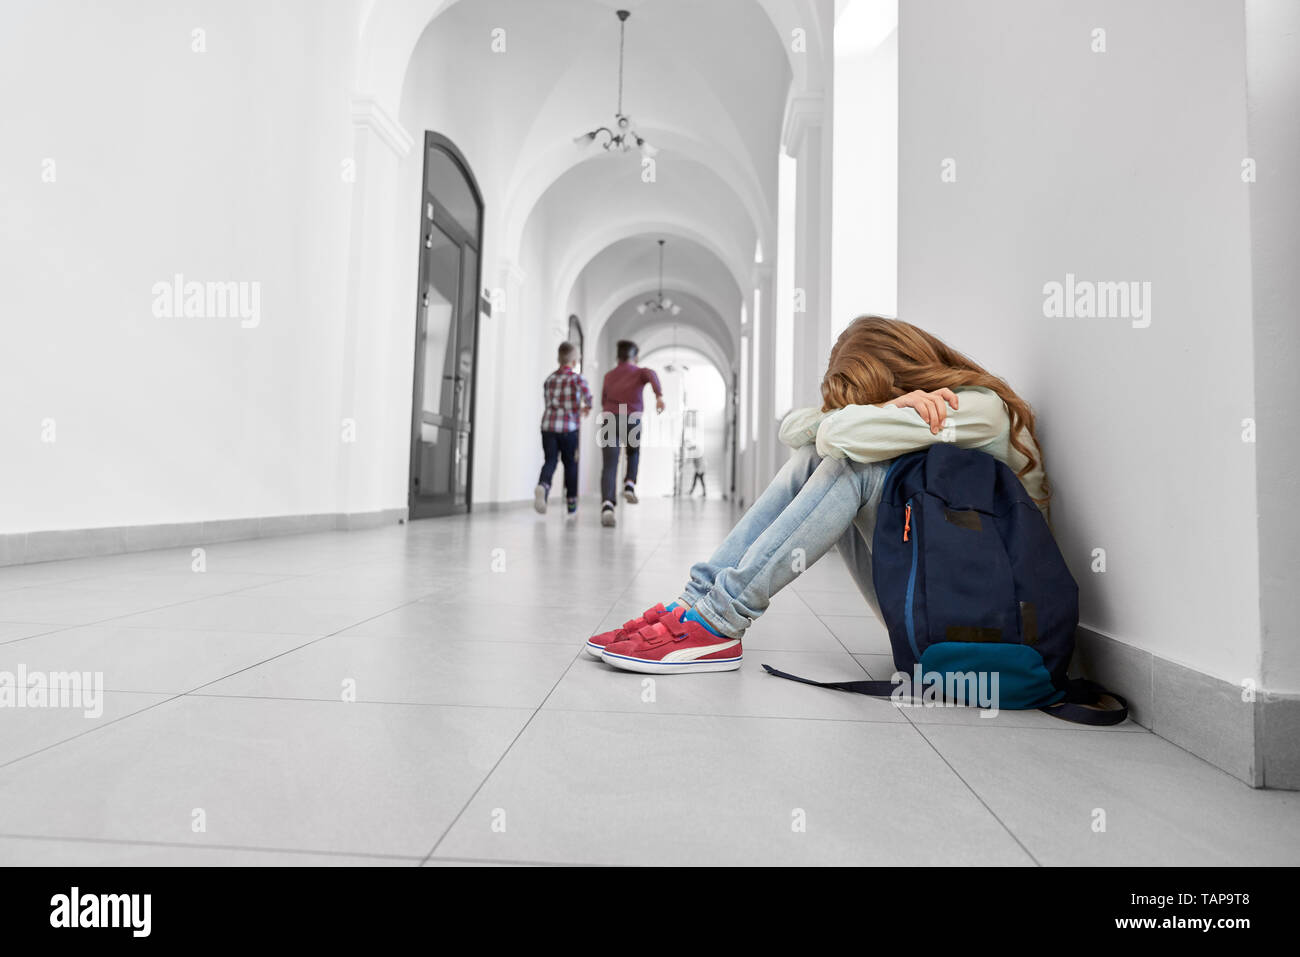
(446, 336)
(576, 337)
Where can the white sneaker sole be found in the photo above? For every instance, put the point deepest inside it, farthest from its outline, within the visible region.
(624, 663)
(596, 651)
(607, 518)
(629, 497)
(539, 500)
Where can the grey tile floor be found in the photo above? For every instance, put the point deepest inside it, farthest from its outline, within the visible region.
(419, 695)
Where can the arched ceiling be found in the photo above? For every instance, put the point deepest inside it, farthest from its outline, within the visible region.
(390, 30)
(626, 323)
(653, 332)
(726, 267)
(707, 83)
(627, 272)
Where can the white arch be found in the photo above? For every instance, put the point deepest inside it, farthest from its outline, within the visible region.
(391, 29)
(807, 69)
(388, 38)
(546, 169)
(706, 347)
(594, 243)
(702, 338)
(638, 288)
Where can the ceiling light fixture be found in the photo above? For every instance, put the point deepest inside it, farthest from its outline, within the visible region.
(659, 303)
(624, 136)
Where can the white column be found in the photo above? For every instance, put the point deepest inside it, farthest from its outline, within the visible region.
(807, 139)
(1273, 82)
(373, 467)
(745, 412)
(764, 365)
(496, 372)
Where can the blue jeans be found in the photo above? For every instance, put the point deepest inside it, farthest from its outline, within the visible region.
(627, 436)
(811, 505)
(564, 447)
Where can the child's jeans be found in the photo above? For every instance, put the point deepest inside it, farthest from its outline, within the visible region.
(812, 504)
(626, 435)
(564, 446)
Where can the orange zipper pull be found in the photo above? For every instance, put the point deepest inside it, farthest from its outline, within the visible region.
(907, 521)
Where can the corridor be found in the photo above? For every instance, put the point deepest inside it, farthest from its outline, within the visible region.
(482, 732)
(303, 300)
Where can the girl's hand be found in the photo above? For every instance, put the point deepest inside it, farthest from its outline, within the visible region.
(929, 405)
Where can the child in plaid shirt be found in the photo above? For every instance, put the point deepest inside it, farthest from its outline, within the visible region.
(567, 397)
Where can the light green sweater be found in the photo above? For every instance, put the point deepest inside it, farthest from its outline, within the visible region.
(868, 433)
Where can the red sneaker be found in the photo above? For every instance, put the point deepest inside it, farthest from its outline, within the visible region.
(671, 646)
(596, 643)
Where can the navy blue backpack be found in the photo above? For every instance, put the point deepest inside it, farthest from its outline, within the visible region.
(973, 589)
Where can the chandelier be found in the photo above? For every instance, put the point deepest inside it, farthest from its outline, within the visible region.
(659, 304)
(623, 137)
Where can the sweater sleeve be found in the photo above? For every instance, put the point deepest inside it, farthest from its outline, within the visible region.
(868, 433)
(649, 376)
(799, 427)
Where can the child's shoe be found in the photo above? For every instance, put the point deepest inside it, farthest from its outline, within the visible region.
(678, 643)
(596, 643)
(571, 506)
(607, 515)
(539, 499)
(629, 493)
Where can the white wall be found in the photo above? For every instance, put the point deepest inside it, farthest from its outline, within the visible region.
(1121, 165)
(1273, 81)
(529, 353)
(221, 166)
(864, 236)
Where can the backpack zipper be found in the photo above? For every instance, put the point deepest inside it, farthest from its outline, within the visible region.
(911, 583)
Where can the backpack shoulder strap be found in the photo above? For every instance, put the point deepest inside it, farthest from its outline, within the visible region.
(877, 689)
(1083, 704)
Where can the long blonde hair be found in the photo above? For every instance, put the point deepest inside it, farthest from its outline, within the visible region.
(877, 359)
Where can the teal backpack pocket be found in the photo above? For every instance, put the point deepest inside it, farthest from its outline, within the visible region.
(1004, 676)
